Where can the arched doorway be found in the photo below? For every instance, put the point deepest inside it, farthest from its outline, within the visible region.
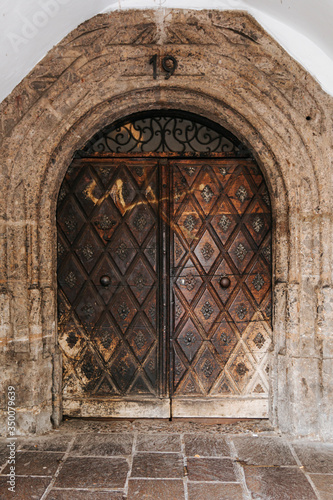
(164, 272)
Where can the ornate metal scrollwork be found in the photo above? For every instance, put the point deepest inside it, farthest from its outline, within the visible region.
(140, 340)
(190, 282)
(241, 311)
(257, 223)
(207, 194)
(207, 310)
(241, 194)
(71, 279)
(140, 221)
(267, 253)
(123, 311)
(70, 222)
(190, 222)
(71, 339)
(241, 369)
(207, 251)
(259, 340)
(122, 251)
(207, 368)
(224, 223)
(88, 310)
(164, 131)
(190, 338)
(225, 338)
(106, 340)
(190, 170)
(241, 252)
(106, 223)
(88, 252)
(258, 282)
(140, 282)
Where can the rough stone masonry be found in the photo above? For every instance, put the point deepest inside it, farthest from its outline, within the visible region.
(230, 71)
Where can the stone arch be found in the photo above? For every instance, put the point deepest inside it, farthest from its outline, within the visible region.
(231, 72)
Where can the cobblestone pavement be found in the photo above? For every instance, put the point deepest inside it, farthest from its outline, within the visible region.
(178, 460)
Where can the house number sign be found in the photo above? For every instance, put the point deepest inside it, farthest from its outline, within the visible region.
(169, 65)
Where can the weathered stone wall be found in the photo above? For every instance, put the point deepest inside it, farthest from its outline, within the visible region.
(233, 73)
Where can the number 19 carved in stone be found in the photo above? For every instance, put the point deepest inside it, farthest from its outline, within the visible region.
(168, 63)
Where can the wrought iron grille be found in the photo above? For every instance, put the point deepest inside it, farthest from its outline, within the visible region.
(162, 132)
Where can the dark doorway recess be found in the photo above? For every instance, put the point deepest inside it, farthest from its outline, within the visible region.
(164, 272)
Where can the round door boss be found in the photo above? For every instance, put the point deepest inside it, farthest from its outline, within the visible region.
(105, 280)
(225, 282)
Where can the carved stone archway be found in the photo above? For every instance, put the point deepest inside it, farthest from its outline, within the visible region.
(230, 71)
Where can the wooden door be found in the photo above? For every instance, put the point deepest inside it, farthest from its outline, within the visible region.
(143, 245)
(221, 288)
(109, 277)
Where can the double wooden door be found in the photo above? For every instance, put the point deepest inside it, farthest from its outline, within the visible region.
(164, 272)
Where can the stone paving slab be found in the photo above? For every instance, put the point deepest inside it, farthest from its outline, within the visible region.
(316, 457)
(53, 442)
(211, 469)
(324, 485)
(158, 465)
(263, 450)
(278, 483)
(37, 463)
(159, 442)
(31, 488)
(102, 445)
(152, 489)
(127, 461)
(90, 472)
(206, 446)
(222, 491)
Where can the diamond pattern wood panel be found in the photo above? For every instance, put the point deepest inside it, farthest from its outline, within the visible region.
(112, 223)
(221, 228)
(107, 226)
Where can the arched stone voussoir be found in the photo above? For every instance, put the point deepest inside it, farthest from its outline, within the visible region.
(254, 76)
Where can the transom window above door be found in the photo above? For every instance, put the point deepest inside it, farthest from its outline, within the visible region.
(165, 132)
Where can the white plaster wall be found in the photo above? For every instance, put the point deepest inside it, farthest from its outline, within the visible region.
(29, 28)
